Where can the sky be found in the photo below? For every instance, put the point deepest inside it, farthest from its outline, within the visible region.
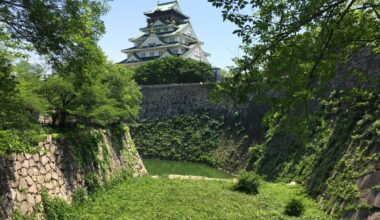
(126, 17)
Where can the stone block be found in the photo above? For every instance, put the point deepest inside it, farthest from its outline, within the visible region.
(370, 198)
(56, 191)
(29, 181)
(32, 163)
(39, 165)
(25, 164)
(370, 180)
(53, 166)
(54, 176)
(23, 172)
(20, 197)
(44, 160)
(17, 165)
(36, 158)
(42, 171)
(15, 183)
(376, 202)
(30, 199)
(47, 168)
(48, 177)
(53, 148)
(40, 179)
(23, 184)
(49, 186)
(33, 189)
(61, 181)
(35, 171)
(12, 194)
(20, 157)
(24, 208)
(30, 171)
(28, 156)
(55, 184)
(38, 199)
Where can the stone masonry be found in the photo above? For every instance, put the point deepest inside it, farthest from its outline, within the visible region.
(24, 176)
(166, 101)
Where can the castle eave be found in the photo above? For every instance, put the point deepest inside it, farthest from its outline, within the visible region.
(175, 44)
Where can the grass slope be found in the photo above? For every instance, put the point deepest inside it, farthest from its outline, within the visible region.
(146, 198)
(165, 167)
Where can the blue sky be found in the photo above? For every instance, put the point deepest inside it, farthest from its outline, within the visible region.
(126, 17)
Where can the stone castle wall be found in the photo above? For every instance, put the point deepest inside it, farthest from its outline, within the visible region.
(165, 101)
(54, 168)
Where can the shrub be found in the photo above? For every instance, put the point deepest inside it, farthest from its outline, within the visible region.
(173, 70)
(54, 208)
(294, 208)
(248, 182)
(79, 196)
(17, 215)
(92, 182)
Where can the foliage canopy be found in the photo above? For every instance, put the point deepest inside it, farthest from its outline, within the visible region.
(292, 48)
(172, 70)
(83, 86)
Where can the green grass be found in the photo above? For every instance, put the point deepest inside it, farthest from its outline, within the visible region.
(166, 167)
(146, 198)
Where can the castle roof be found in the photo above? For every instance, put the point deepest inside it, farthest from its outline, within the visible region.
(167, 7)
(168, 33)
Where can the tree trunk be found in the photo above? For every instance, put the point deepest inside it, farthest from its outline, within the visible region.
(62, 119)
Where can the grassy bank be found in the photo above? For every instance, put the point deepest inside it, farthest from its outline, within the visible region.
(166, 167)
(146, 198)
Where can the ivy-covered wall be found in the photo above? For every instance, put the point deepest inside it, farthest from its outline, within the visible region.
(339, 159)
(66, 162)
(200, 137)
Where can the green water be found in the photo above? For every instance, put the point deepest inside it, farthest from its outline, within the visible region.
(165, 167)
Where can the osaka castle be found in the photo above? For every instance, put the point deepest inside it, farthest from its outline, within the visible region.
(168, 33)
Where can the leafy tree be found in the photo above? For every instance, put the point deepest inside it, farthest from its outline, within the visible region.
(91, 91)
(293, 48)
(53, 28)
(20, 106)
(84, 87)
(171, 70)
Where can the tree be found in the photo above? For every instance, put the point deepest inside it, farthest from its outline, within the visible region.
(91, 91)
(53, 28)
(20, 105)
(171, 70)
(294, 47)
(58, 30)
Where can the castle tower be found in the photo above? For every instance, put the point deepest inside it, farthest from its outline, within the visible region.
(168, 33)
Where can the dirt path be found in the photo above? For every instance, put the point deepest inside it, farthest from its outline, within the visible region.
(182, 177)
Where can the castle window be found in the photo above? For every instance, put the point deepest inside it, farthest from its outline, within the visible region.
(142, 54)
(172, 39)
(152, 44)
(175, 51)
(152, 54)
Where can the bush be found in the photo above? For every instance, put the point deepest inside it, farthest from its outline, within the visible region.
(17, 215)
(79, 196)
(248, 182)
(92, 182)
(54, 208)
(294, 208)
(171, 70)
